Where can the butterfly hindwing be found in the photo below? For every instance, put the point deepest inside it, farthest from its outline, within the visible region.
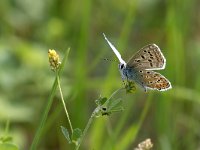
(151, 80)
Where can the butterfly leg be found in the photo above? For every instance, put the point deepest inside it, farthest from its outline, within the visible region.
(124, 83)
(145, 89)
(125, 78)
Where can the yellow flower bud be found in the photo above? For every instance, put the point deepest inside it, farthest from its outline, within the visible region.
(54, 59)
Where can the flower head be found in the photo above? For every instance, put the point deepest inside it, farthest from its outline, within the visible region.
(54, 59)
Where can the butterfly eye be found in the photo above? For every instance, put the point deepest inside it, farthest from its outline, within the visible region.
(121, 66)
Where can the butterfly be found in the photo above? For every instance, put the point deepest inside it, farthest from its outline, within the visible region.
(140, 66)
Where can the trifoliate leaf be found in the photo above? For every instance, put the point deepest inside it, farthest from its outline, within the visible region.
(66, 134)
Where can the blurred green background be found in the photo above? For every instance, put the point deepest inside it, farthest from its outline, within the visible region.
(29, 28)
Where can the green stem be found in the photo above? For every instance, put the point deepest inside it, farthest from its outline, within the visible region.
(87, 127)
(63, 102)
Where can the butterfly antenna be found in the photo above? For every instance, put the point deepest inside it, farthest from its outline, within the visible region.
(106, 59)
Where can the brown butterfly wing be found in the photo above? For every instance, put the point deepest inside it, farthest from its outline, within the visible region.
(149, 57)
(152, 80)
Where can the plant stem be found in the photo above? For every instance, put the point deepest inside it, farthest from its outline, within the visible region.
(87, 127)
(63, 102)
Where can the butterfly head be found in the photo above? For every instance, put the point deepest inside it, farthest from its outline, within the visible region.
(122, 66)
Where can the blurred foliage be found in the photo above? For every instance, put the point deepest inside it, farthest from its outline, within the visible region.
(8, 147)
(29, 28)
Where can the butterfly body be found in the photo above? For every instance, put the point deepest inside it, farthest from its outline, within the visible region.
(129, 73)
(139, 68)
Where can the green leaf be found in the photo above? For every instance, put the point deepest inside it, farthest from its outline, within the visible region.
(111, 106)
(66, 134)
(64, 60)
(101, 101)
(8, 146)
(128, 137)
(76, 135)
(115, 103)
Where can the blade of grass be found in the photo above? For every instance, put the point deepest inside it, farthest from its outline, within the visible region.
(121, 123)
(176, 27)
(132, 132)
(81, 65)
(129, 20)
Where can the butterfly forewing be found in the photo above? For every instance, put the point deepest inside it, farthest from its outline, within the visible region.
(152, 80)
(149, 57)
